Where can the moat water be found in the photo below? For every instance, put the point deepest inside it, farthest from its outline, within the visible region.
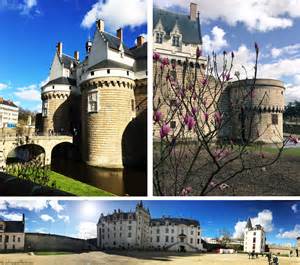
(122, 182)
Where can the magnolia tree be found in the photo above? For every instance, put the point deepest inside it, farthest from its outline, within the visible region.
(191, 111)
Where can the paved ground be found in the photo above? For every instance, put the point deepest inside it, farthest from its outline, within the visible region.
(137, 258)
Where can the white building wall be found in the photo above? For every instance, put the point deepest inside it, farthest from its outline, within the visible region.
(254, 240)
(8, 115)
(15, 241)
(56, 70)
(98, 51)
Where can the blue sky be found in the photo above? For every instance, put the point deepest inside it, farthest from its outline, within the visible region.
(33, 27)
(234, 25)
(281, 219)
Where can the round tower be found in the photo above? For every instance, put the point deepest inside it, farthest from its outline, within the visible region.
(254, 110)
(108, 105)
(55, 106)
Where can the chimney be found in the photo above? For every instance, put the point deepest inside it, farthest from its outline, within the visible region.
(59, 48)
(120, 34)
(140, 41)
(88, 46)
(23, 215)
(76, 55)
(193, 11)
(100, 25)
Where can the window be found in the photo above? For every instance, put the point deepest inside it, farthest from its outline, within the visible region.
(92, 73)
(129, 227)
(108, 71)
(274, 119)
(127, 72)
(191, 241)
(0, 238)
(93, 102)
(157, 231)
(198, 241)
(173, 124)
(45, 108)
(129, 222)
(181, 239)
(254, 239)
(167, 238)
(172, 239)
(192, 232)
(53, 87)
(167, 230)
(13, 246)
(129, 234)
(120, 234)
(172, 231)
(14, 238)
(157, 239)
(176, 41)
(159, 37)
(6, 239)
(1, 227)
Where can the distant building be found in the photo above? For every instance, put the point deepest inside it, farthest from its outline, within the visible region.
(136, 230)
(12, 235)
(254, 238)
(9, 113)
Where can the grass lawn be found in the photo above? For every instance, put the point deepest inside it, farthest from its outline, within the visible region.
(76, 187)
(52, 253)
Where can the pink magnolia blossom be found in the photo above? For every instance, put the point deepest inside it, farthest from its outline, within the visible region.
(206, 116)
(165, 61)
(164, 130)
(194, 110)
(189, 121)
(198, 52)
(218, 118)
(156, 56)
(157, 116)
(293, 139)
(186, 191)
(204, 82)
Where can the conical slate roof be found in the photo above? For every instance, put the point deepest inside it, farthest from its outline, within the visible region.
(249, 224)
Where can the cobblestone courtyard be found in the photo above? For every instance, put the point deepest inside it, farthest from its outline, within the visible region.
(137, 258)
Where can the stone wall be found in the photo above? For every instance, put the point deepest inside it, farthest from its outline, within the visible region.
(102, 131)
(57, 118)
(47, 242)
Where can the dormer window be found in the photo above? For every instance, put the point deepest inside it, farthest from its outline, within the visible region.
(159, 37)
(176, 41)
(108, 71)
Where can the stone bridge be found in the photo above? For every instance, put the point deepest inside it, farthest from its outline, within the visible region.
(47, 143)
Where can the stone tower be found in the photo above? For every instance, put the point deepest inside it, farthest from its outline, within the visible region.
(107, 83)
(55, 94)
(143, 222)
(253, 111)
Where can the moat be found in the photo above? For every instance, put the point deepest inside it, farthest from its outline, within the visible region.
(122, 182)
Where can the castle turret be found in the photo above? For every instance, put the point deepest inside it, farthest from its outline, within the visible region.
(108, 102)
(55, 94)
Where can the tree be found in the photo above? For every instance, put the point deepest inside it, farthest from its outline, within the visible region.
(190, 157)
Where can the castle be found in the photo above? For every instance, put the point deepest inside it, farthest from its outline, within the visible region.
(98, 98)
(254, 238)
(137, 230)
(257, 118)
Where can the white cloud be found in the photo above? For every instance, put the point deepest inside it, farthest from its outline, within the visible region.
(27, 6)
(28, 93)
(87, 230)
(292, 234)
(47, 218)
(263, 218)
(117, 13)
(55, 205)
(11, 216)
(3, 86)
(65, 218)
(294, 208)
(260, 15)
(3, 205)
(41, 230)
(31, 205)
(216, 42)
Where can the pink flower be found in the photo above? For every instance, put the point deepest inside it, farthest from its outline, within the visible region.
(186, 191)
(206, 116)
(165, 61)
(293, 139)
(194, 110)
(156, 57)
(194, 96)
(157, 116)
(164, 130)
(198, 52)
(204, 82)
(218, 118)
(189, 121)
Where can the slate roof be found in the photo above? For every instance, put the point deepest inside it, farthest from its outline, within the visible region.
(110, 64)
(118, 216)
(190, 30)
(176, 221)
(7, 102)
(114, 42)
(14, 226)
(62, 81)
(249, 224)
(140, 55)
(67, 61)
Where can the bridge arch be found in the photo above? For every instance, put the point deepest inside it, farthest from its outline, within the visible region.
(65, 150)
(25, 153)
